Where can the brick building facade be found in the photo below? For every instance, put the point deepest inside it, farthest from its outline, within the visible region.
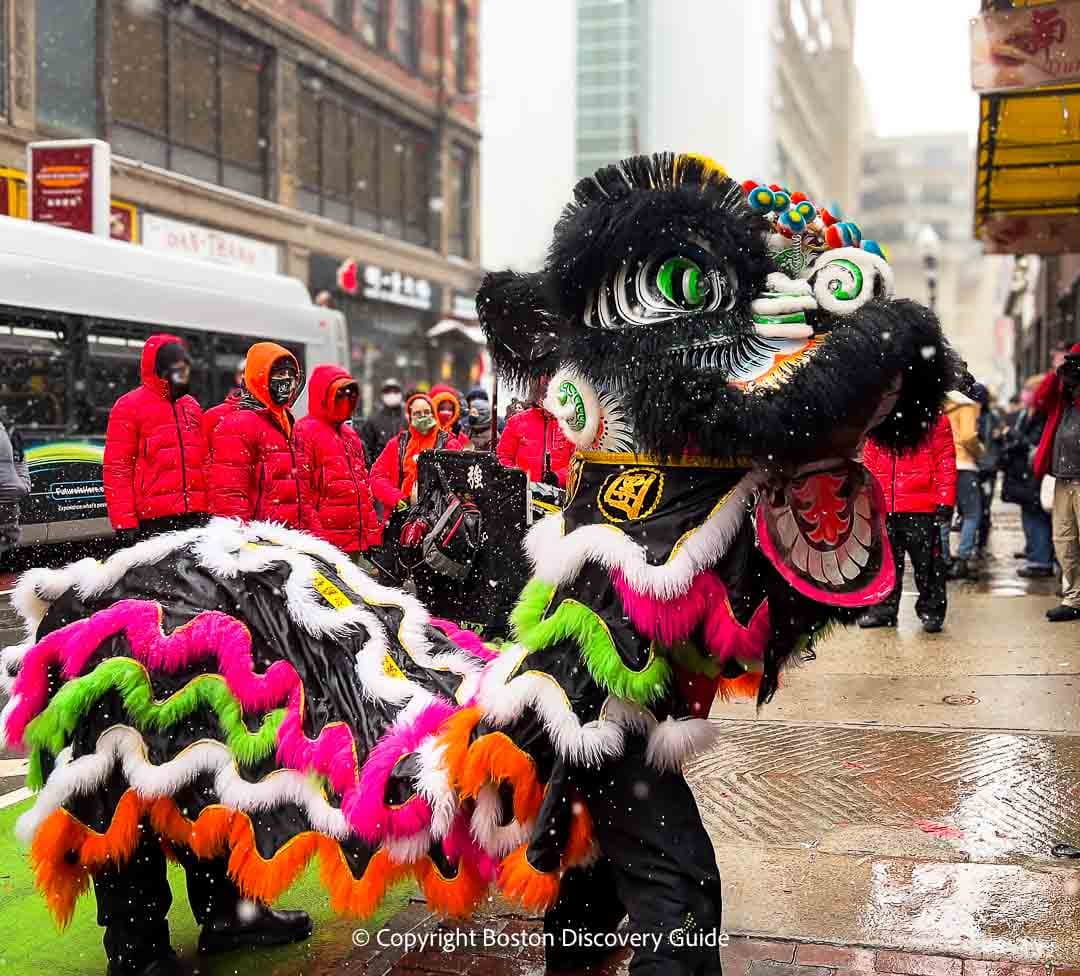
(318, 131)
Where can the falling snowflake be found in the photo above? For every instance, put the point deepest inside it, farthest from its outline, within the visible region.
(475, 477)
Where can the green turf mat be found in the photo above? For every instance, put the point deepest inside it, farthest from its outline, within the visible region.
(31, 944)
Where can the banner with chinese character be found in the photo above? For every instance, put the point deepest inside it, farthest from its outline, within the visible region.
(1027, 47)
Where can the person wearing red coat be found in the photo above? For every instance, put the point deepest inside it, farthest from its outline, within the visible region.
(532, 441)
(155, 449)
(335, 494)
(254, 470)
(215, 415)
(920, 494)
(1058, 399)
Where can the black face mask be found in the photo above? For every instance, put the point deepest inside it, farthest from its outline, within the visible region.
(281, 390)
(178, 387)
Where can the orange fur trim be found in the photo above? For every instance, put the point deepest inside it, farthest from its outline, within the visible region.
(65, 852)
(521, 882)
(493, 758)
(454, 737)
(746, 685)
(579, 844)
(457, 896)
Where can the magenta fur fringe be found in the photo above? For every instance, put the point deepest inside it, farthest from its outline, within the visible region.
(706, 604)
(465, 639)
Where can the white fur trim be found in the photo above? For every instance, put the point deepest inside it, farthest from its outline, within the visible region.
(566, 413)
(433, 784)
(122, 743)
(407, 850)
(504, 701)
(497, 840)
(871, 266)
(783, 305)
(673, 741)
(558, 558)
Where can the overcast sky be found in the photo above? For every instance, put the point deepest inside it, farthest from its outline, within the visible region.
(913, 56)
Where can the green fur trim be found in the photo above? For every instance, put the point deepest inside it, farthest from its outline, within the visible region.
(52, 729)
(689, 658)
(574, 620)
(35, 778)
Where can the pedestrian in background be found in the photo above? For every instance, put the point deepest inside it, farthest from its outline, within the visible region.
(155, 448)
(385, 422)
(1019, 485)
(480, 428)
(214, 415)
(1058, 399)
(14, 483)
(963, 415)
(989, 427)
(254, 472)
(920, 493)
(334, 488)
(533, 442)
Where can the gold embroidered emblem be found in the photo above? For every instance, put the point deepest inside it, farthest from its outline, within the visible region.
(633, 494)
(573, 477)
(390, 668)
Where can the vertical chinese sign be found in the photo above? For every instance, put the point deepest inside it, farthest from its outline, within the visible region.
(69, 184)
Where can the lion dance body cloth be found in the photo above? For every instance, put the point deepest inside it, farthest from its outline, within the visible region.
(717, 352)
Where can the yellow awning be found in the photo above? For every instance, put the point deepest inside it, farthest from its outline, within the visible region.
(1027, 191)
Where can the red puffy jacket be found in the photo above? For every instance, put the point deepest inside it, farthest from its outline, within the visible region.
(215, 415)
(1050, 403)
(336, 496)
(524, 439)
(154, 450)
(254, 469)
(920, 480)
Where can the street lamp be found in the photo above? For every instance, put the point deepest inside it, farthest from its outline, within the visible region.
(928, 244)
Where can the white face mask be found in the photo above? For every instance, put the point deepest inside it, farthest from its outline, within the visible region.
(392, 399)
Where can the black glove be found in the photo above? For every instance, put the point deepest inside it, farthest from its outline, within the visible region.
(127, 537)
(944, 514)
(550, 478)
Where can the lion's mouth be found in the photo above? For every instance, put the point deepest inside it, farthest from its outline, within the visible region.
(749, 360)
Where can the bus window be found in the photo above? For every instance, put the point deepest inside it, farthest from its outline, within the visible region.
(33, 372)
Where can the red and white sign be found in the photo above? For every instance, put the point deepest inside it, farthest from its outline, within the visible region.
(69, 184)
(1026, 47)
(207, 244)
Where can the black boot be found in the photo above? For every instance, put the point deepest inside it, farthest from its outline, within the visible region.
(962, 569)
(252, 924)
(165, 966)
(877, 617)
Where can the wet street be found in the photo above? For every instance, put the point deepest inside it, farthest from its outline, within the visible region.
(892, 811)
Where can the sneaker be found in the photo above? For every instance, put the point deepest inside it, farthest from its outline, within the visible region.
(933, 625)
(1035, 572)
(1020, 554)
(873, 619)
(1063, 613)
(962, 569)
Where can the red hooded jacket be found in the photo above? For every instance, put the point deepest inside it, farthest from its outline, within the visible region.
(920, 480)
(154, 450)
(1050, 402)
(254, 471)
(335, 493)
(215, 415)
(523, 441)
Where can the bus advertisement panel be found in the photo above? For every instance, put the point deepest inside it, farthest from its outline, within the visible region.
(65, 480)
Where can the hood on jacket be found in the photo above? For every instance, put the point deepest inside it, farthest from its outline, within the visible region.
(322, 391)
(450, 397)
(261, 359)
(148, 363)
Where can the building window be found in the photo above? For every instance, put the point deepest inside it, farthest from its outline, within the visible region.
(460, 202)
(189, 94)
(937, 193)
(883, 196)
(460, 45)
(370, 22)
(336, 11)
(407, 31)
(67, 77)
(359, 167)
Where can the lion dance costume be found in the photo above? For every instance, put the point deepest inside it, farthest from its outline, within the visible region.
(242, 692)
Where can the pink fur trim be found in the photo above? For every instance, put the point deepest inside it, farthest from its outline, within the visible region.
(704, 604)
(460, 845)
(364, 807)
(465, 639)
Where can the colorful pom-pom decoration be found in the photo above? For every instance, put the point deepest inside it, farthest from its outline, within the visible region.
(873, 247)
(761, 199)
(844, 234)
(827, 217)
(793, 220)
(805, 208)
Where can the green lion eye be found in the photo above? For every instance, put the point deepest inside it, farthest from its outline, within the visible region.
(679, 281)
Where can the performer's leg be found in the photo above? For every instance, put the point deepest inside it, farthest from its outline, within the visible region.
(228, 921)
(924, 545)
(133, 902)
(587, 906)
(648, 827)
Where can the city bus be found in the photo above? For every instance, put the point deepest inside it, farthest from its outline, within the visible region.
(75, 312)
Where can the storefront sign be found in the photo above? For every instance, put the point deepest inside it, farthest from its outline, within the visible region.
(65, 481)
(69, 184)
(463, 305)
(124, 222)
(1038, 234)
(206, 244)
(1026, 47)
(380, 285)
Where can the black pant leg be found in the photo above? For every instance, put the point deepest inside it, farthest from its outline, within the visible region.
(648, 827)
(211, 892)
(133, 902)
(588, 906)
(894, 524)
(928, 563)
